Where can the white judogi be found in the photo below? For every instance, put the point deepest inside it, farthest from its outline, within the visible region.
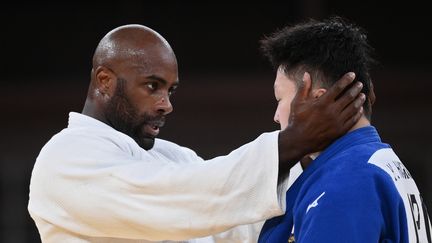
(91, 183)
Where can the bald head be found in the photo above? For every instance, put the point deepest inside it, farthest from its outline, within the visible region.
(131, 44)
(133, 76)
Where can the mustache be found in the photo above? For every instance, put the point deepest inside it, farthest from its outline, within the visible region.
(157, 121)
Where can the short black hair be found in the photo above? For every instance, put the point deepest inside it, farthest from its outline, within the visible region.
(326, 49)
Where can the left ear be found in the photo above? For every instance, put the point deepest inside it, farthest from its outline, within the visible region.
(316, 93)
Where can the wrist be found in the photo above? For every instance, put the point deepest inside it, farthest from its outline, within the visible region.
(290, 149)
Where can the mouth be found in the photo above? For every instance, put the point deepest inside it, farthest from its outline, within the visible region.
(153, 127)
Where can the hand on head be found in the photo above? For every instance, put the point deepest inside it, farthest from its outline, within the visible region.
(315, 122)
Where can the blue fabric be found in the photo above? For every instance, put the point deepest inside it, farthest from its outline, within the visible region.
(341, 197)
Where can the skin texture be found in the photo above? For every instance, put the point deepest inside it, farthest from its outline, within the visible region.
(135, 72)
(285, 89)
(315, 122)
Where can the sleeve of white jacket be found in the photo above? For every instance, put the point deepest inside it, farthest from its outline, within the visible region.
(100, 192)
(250, 233)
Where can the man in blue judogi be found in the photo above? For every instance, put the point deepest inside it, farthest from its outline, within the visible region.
(357, 189)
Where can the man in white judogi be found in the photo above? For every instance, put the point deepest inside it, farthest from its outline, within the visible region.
(106, 178)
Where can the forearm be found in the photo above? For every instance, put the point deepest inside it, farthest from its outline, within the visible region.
(158, 199)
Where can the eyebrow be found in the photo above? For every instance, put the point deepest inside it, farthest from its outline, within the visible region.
(163, 81)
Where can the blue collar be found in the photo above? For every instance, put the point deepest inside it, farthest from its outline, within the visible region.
(362, 135)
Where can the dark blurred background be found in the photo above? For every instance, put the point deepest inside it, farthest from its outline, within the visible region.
(226, 94)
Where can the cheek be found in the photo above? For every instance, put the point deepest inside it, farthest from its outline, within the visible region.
(146, 105)
(143, 102)
(284, 111)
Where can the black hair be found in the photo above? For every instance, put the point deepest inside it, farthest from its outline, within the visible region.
(326, 49)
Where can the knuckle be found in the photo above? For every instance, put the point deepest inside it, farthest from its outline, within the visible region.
(340, 85)
(358, 103)
(352, 94)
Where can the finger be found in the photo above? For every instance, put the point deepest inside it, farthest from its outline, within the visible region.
(336, 90)
(304, 87)
(349, 96)
(351, 111)
(353, 120)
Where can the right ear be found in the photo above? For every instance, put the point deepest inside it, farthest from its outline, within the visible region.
(104, 81)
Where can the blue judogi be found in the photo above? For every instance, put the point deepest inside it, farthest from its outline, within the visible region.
(356, 190)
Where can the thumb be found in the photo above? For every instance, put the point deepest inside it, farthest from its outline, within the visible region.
(304, 87)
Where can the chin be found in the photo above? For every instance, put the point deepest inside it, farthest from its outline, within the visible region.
(146, 143)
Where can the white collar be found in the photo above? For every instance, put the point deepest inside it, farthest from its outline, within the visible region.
(80, 120)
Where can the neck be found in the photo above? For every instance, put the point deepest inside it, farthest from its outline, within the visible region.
(91, 110)
(363, 122)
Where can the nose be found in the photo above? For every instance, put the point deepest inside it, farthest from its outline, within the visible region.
(164, 105)
(276, 117)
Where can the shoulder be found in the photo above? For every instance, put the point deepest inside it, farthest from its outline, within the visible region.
(174, 152)
(353, 189)
(362, 196)
(88, 137)
(369, 170)
(87, 144)
(360, 164)
(387, 161)
(356, 178)
(381, 169)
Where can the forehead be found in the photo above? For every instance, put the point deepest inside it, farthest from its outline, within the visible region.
(145, 65)
(283, 81)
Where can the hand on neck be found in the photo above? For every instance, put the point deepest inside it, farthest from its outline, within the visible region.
(308, 159)
(362, 122)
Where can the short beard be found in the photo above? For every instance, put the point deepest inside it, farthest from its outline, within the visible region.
(122, 115)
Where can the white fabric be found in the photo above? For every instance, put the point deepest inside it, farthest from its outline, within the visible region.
(91, 183)
(295, 172)
(417, 217)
